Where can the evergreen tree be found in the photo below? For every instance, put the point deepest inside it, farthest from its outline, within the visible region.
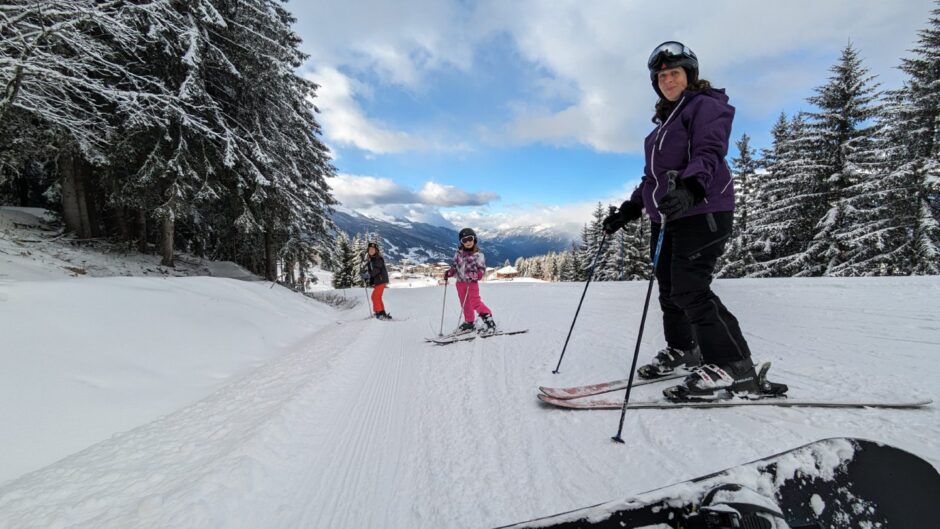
(189, 114)
(345, 273)
(568, 268)
(737, 258)
(793, 200)
(634, 241)
(845, 155)
(278, 164)
(895, 215)
(593, 237)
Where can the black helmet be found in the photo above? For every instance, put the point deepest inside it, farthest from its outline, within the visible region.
(672, 54)
(466, 232)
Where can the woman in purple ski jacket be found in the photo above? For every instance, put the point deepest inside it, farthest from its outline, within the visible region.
(687, 191)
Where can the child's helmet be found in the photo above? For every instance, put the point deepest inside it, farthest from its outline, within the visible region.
(466, 232)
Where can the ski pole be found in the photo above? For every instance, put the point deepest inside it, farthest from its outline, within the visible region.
(671, 175)
(368, 301)
(462, 303)
(443, 304)
(365, 286)
(600, 249)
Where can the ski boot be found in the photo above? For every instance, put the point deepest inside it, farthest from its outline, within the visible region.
(489, 326)
(382, 315)
(734, 379)
(670, 359)
(465, 327)
(731, 506)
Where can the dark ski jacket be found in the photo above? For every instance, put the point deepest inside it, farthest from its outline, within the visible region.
(694, 141)
(378, 274)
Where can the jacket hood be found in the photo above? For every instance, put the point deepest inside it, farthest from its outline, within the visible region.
(714, 93)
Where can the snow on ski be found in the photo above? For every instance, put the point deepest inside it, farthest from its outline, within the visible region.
(612, 404)
(471, 336)
(588, 390)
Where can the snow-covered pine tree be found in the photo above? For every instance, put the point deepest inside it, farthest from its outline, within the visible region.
(178, 159)
(359, 246)
(535, 269)
(68, 66)
(64, 65)
(568, 268)
(764, 236)
(845, 154)
(919, 120)
(549, 267)
(592, 237)
(737, 258)
(792, 200)
(521, 266)
(577, 259)
(344, 273)
(894, 214)
(633, 242)
(276, 164)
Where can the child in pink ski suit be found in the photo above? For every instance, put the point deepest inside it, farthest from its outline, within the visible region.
(469, 267)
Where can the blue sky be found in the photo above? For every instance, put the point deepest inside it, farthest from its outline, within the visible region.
(497, 114)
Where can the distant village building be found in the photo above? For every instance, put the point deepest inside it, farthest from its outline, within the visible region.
(507, 272)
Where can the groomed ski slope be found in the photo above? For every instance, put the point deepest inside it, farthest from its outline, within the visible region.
(361, 424)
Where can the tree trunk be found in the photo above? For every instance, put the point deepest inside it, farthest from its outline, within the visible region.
(166, 243)
(71, 210)
(124, 231)
(290, 267)
(270, 257)
(89, 197)
(142, 232)
(78, 175)
(302, 276)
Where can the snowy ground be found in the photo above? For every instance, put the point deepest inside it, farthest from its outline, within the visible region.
(206, 402)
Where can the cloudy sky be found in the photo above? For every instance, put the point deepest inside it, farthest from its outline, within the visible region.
(502, 113)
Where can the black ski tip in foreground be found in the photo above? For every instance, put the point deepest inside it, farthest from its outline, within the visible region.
(837, 483)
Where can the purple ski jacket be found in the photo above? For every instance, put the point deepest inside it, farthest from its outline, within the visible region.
(694, 141)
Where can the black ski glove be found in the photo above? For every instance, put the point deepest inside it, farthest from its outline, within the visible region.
(629, 211)
(687, 193)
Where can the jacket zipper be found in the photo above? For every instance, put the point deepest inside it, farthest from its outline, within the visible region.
(653, 153)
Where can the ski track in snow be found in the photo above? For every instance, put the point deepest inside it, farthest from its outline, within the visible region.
(365, 425)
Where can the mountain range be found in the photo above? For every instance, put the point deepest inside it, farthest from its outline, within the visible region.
(423, 243)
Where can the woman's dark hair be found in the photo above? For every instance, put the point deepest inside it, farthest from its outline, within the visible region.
(373, 245)
(664, 107)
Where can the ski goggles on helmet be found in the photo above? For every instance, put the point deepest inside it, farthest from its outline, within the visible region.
(468, 238)
(667, 53)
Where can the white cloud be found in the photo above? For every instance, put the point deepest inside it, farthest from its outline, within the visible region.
(449, 196)
(592, 87)
(568, 219)
(362, 192)
(601, 47)
(399, 43)
(443, 205)
(344, 122)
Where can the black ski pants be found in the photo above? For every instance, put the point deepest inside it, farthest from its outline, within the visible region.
(692, 313)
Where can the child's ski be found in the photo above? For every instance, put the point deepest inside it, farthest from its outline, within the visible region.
(447, 340)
